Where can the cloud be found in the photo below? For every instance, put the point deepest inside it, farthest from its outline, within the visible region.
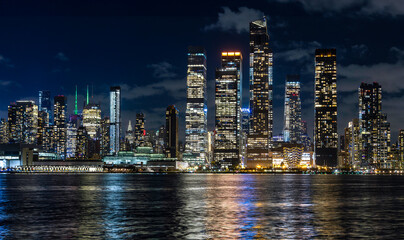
(175, 88)
(162, 70)
(8, 83)
(62, 57)
(237, 21)
(389, 75)
(364, 7)
(5, 62)
(299, 51)
(360, 49)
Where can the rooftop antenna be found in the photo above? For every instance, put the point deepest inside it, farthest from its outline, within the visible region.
(88, 100)
(75, 104)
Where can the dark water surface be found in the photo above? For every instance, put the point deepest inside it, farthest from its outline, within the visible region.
(196, 206)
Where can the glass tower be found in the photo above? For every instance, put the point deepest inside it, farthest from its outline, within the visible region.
(115, 119)
(45, 104)
(228, 110)
(196, 111)
(60, 128)
(259, 140)
(292, 122)
(325, 108)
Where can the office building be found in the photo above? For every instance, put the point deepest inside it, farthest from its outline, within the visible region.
(140, 131)
(105, 135)
(115, 119)
(23, 122)
(92, 120)
(292, 122)
(60, 128)
(45, 104)
(259, 141)
(228, 110)
(325, 108)
(196, 111)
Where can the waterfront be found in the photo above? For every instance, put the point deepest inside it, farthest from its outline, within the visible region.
(200, 206)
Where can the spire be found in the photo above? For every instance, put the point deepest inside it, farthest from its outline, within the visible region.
(75, 104)
(88, 99)
(130, 126)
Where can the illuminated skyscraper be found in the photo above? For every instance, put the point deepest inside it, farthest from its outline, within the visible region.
(140, 132)
(71, 140)
(292, 122)
(325, 108)
(60, 128)
(45, 104)
(129, 135)
(352, 142)
(3, 131)
(228, 110)
(260, 137)
(245, 129)
(115, 119)
(171, 138)
(196, 112)
(23, 122)
(92, 120)
(82, 143)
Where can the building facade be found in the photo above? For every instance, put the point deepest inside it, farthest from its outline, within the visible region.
(292, 122)
(140, 131)
(92, 120)
(325, 108)
(60, 128)
(228, 110)
(171, 134)
(23, 122)
(196, 111)
(259, 141)
(115, 119)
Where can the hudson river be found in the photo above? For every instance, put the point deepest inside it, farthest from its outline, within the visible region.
(200, 206)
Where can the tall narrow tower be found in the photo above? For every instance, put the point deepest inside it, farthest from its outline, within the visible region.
(171, 138)
(196, 112)
(60, 128)
(115, 119)
(228, 110)
(259, 140)
(292, 123)
(325, 108)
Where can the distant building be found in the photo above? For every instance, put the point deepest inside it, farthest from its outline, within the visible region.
(92, 120)
(23, 122)
(3, 131)
(82, 143)
(171, 138)
(228, 110)
(292, 123)
(352, 143)
(115, 119)
(60, 130)
(105, 136)
(401, 148)
(261, 120)
(45, 104)
(140, 131)
(325, 108)
(196, 111)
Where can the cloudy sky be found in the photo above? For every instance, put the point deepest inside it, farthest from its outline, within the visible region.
(57, 45)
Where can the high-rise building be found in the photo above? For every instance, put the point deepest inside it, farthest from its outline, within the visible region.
(259, 141)
(43, 123)
(23, 122)
(115, 119)
(351, 143)
(228, 110)
(104, 145)
(196, 111)
(92, 120)
(171, 138)
(374, 128)
(140, 132)
(325, 108)
(129, 134)
(292, 122)
(60, 130)
(401, 148)
(245, 129)
(82, 143)
(45, 104)
(71, 140)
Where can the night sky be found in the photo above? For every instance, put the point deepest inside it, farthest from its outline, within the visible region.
(142, 47)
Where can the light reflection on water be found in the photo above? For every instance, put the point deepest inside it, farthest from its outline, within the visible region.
(197, 206)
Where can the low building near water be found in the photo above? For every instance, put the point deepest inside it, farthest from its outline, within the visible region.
(17, 154)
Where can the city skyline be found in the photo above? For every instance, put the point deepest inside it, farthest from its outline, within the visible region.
(164, 74)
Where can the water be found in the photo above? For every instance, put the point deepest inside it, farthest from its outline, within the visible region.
(196, 206)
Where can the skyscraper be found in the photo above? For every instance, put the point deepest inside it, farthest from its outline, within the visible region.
(59, 117)
(105, 128)
(401, 148)
(292, 123)
(140, 132)
(196, 112)
(23, 122)
(259, 141)
(171, 138)
(352, 142)
(115, 119)
(45, 104)
(325, 108)
(228, 110)
(92, 120)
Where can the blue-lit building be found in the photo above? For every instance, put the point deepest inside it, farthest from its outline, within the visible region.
(115, 119)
